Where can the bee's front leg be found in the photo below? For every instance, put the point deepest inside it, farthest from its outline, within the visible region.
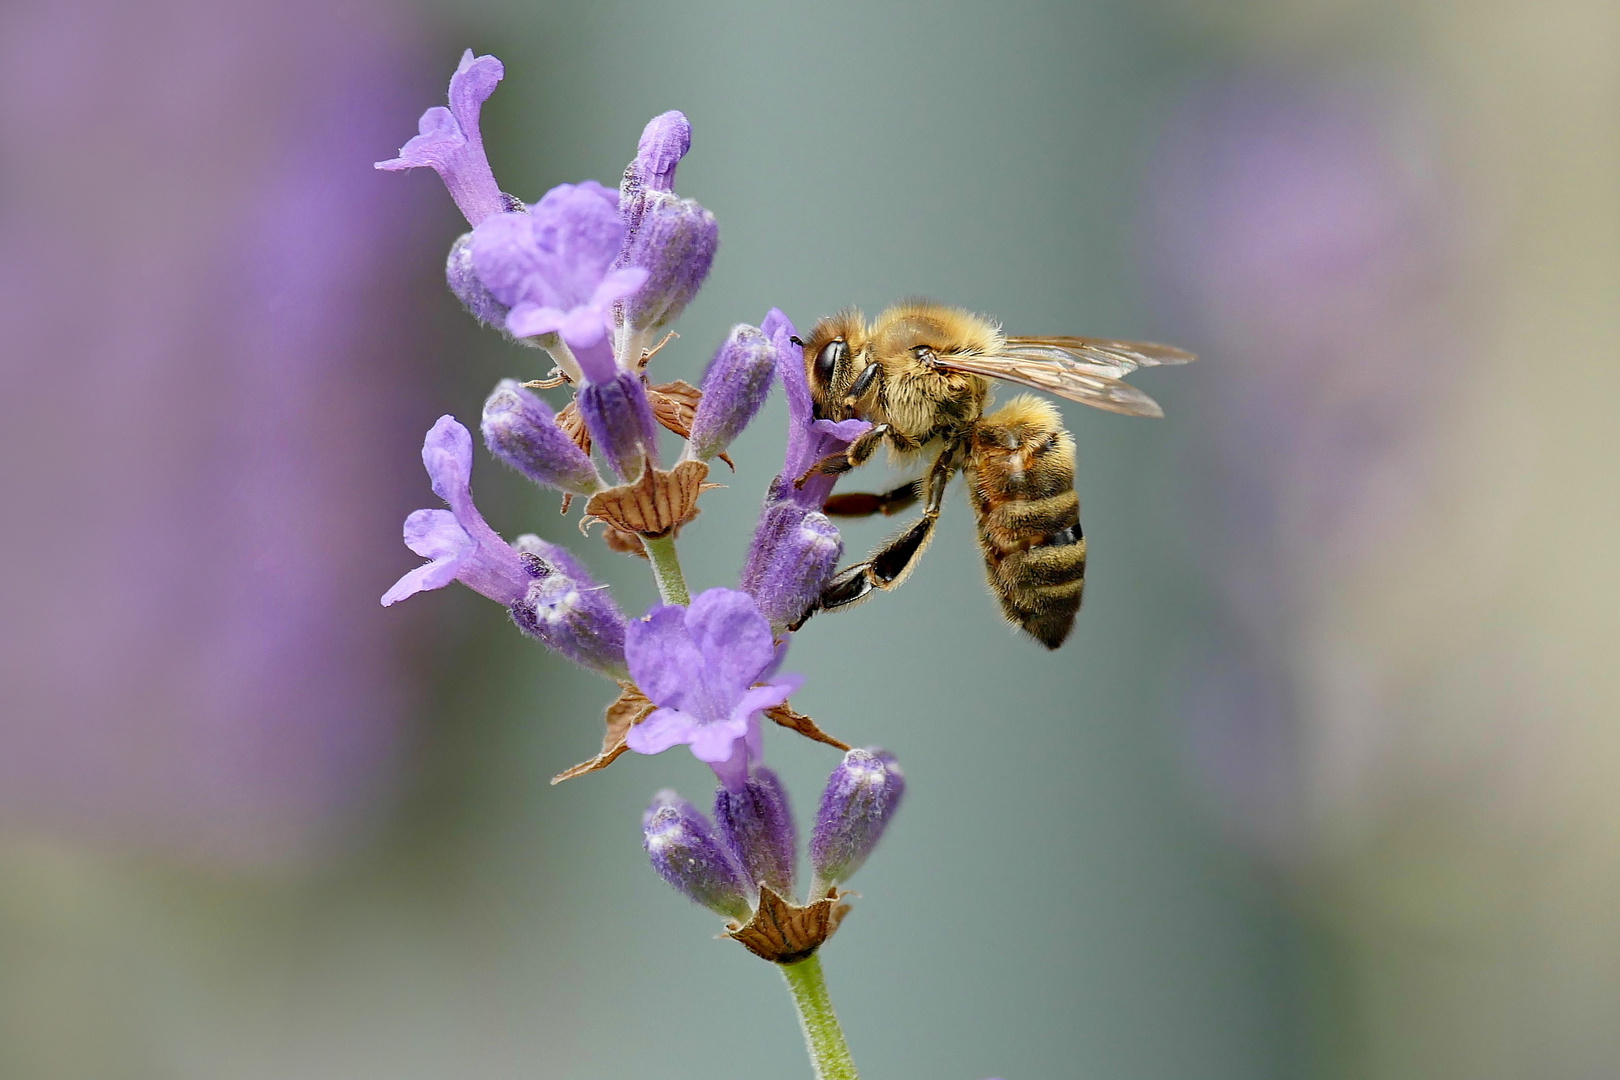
(858, 453)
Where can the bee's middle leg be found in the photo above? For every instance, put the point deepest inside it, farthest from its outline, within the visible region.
(886, 569)
(865, 503)
(890, 564)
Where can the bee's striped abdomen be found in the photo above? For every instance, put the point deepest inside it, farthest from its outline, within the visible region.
(1021, 480)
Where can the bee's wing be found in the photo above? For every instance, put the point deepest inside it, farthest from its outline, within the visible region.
(1087, 370)
(1115, 359)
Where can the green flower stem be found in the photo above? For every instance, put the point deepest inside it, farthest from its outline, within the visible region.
(666, 568)
(822, 1035)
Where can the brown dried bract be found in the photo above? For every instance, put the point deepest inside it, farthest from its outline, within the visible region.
(573, 425)
(625, 543)
(630, 708)
(628, 543)
(655, 504)
(674, 404)
(788, 718)
(784, 933)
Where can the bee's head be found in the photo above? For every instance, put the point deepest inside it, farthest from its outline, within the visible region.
(835, 358)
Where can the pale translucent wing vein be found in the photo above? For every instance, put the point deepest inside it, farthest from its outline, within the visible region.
(1103, 352)
(1089, 384)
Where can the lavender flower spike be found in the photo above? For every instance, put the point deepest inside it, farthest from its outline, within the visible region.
(793, 556)
(686, 853)
(566, 610)
(459, 542)
(673, 239)
(450, 143)
(521, 430)
(734, 387)
(700, 665)
(757, 823)
(861, 798)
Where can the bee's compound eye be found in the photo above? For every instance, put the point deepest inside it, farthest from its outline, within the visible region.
(828, 358)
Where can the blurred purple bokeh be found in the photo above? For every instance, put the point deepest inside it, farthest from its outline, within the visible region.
(211, 351)
(1298, 228)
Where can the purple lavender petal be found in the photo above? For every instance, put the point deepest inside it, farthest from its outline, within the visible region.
(662, 729)
(756, 822)
(664, 660)
(618, 284)
(734, 639)
(449, 141)
(734, 387)
(493, 568)
(700, 666)
(620, 421)
(521, 430)
(860, 800)
(664, 141)
(435, 535)
(732, 771)
(809, 439)
(557, 254)
(767, 695)
(794, 554)
(686, 853)
(719, 742)
(465, 284)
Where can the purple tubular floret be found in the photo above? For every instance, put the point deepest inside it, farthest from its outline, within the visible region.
(860, 800)
(686, 853)
(757, 824)
(521, 430)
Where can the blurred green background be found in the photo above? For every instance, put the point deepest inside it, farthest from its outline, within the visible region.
(1322, 785)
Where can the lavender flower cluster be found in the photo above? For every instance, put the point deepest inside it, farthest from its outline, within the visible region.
(593, 277)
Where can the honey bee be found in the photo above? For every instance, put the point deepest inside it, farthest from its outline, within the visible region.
(919, 374)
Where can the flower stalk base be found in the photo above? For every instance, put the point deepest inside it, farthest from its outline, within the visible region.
(822, 1035)
(666, 568)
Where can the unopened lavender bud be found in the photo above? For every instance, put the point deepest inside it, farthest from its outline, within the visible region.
(794, 554)
(862, 796)
(757, 823)
(687, 854)
(569, 612)
(469, 288)
(620, 421)
(521, 430)
(674, 240)
(734, 387)
(664, 141)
